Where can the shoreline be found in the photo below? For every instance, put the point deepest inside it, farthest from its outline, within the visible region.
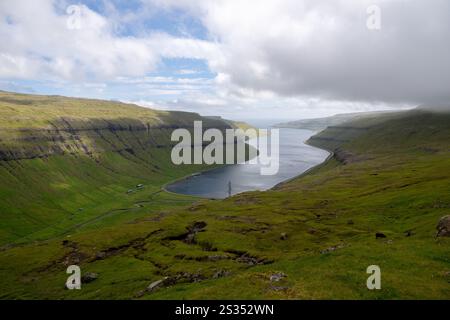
(307, 171)
(164, 187)
(275, 187)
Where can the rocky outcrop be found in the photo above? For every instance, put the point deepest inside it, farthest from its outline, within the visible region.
(59, 126)
(443, 227)
(89, 277)
(189, 236)
(88, 138)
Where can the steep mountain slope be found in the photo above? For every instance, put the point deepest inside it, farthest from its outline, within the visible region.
(65, 161)
(310, 238)
(318, 124)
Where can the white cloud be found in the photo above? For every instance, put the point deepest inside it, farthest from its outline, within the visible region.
(42, 43)
(286, 57)
(321, 48)
(187, 71)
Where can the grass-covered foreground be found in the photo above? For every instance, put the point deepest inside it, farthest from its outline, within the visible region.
(310, 238)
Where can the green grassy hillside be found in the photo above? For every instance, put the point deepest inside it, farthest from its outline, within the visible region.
(65, 162)
(319, 124)
(310, 238)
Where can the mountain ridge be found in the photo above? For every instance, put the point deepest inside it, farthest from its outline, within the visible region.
(377, 201)
(78, 147)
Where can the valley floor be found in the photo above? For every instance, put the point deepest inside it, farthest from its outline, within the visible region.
(310, 238)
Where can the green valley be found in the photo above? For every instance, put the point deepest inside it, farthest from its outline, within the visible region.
(82, 184)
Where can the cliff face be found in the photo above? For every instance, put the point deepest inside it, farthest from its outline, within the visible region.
(91, 138)
(418, 131)
(38, 127)
(319, 124)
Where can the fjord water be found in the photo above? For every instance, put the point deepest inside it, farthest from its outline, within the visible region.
(295, 158)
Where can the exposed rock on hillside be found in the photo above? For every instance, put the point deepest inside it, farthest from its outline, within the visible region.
(443, 227)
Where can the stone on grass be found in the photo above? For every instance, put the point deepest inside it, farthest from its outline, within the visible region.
(154, 285)
(443, 227)
(277, 277)
(89, 277)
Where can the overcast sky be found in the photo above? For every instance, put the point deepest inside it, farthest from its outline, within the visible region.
(272, 59)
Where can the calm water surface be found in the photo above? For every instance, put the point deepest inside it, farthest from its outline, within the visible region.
(295, 158)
